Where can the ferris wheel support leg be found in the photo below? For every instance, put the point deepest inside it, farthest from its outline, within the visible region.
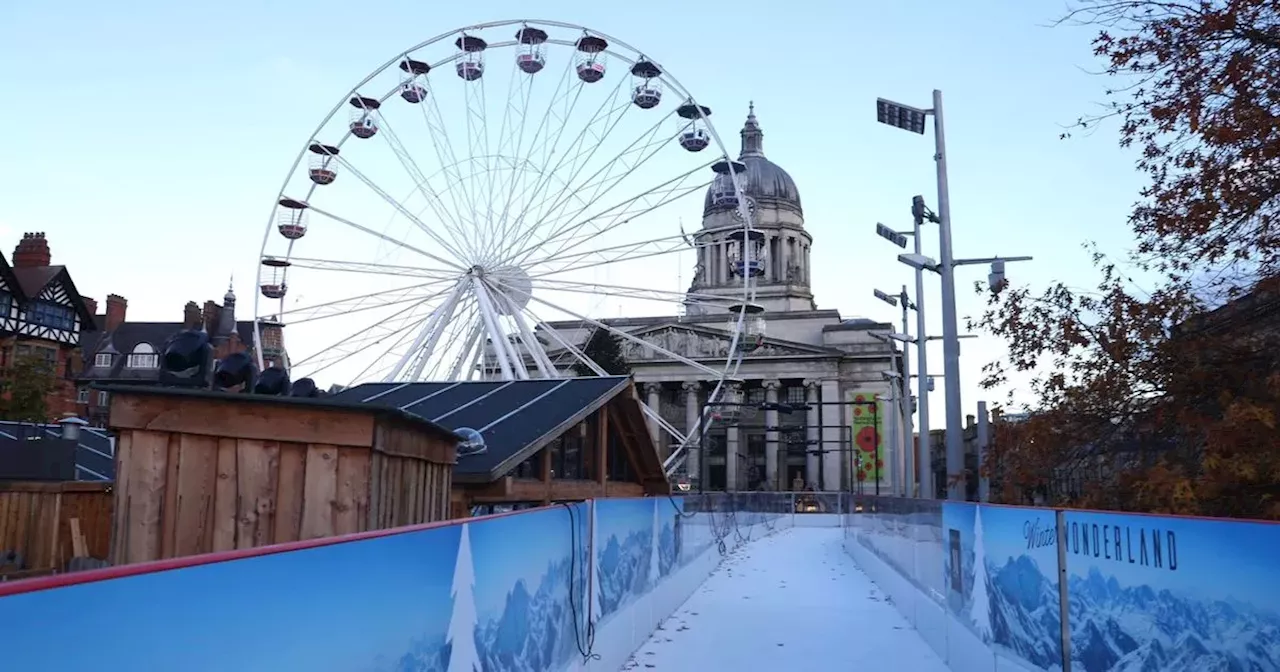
(444, 312)
(531, 343)
(474, 345)
(502, 346)
(434, 339)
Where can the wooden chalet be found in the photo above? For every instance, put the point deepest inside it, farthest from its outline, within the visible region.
(199, 471)
(546, 440)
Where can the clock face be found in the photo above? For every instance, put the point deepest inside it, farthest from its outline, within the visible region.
(751, 210)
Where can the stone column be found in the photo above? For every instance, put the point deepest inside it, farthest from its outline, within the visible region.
(692, 414)
(812, 436)
(770, 434)
(784, 256)
(833, 436)
(653, 399)
(722, 250)
(731, 451)
(769, 261)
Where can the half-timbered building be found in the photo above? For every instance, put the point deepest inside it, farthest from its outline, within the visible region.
(42, 315)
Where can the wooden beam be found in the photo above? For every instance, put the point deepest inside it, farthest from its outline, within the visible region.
(602, 445)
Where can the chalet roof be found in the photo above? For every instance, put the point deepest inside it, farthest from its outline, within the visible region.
(320, 403)
(516, 417)
(95, 454)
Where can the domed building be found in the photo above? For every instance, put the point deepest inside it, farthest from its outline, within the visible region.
(809, 357)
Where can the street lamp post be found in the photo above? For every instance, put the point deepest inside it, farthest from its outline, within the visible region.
(912, 119)
(923, 471)
(904, 395)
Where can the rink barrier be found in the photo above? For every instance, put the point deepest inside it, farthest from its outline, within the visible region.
(1064, 589)
(528, 590)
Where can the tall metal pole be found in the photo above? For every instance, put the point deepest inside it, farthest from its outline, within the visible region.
(950, 330)
(904, 396)
(924, 457)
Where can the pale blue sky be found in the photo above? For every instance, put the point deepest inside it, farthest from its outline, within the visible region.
(148, 139)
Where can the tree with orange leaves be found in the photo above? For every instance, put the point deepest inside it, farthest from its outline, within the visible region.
(1151, 400)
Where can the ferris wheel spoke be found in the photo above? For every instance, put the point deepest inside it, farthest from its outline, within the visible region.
(385, 238)
(429, 363)
(443, 148)
(647, 202)
(362, 303)
(422, 185)
(568, 347)
(398, 207)
(507, 287)
(594, 135)
(613, 254)
(371, 268)
(360, 340)
(622, 291)
(477, 125)
(603, 181)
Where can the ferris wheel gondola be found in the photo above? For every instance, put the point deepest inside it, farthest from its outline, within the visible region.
(500, 188)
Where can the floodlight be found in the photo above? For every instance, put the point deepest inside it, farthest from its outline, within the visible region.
(890, 375)
(891, 235)
(919, 262)
(235, 370)
(900, 116)
(887, 298)
(996, 280)
(902, 338)
(304, 387)
(274, 382)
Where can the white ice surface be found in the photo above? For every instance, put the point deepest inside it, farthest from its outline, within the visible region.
(790, 601)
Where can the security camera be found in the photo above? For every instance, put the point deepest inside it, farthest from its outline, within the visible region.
(930, 387)
(996, 280)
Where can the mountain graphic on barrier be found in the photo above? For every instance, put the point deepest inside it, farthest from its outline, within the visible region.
(622, 568)
(534, 632)
(536, 628)
(1140, 628)
(1126, 629)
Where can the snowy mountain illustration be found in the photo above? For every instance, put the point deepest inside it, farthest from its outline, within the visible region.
(1139, 628)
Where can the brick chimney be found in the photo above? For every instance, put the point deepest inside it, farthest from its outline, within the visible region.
(191, 318)
(116, 307)
(91, 305)
(212, 312)
(32, 250)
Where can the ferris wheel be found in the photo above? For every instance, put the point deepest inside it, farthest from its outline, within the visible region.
(478, 205)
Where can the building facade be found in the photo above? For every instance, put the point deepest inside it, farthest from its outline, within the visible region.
(42, 315)
(128, 352)
(797, 425)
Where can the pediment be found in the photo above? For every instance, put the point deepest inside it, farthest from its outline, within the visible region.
(699, 342)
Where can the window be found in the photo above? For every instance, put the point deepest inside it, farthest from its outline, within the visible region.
(48, 314)
(102, 360)
(143, 357)
(6, 304)
(82, 395)
(103, 398)
(49, 355)
(795, 395)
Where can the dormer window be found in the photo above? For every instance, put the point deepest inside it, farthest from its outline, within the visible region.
(102, 360)
(143, 357)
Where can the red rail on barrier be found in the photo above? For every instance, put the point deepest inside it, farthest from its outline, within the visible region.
(106, 573)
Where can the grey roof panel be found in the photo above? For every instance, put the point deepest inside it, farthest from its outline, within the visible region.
(512, 415)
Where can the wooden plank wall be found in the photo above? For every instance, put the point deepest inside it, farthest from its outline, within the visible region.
(35, 521)
(183, 494)
(413, 472)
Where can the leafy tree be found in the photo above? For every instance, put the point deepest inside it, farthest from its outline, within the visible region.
(605, 349)
(1195, 93)
(24, 387)
(1148, 399)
